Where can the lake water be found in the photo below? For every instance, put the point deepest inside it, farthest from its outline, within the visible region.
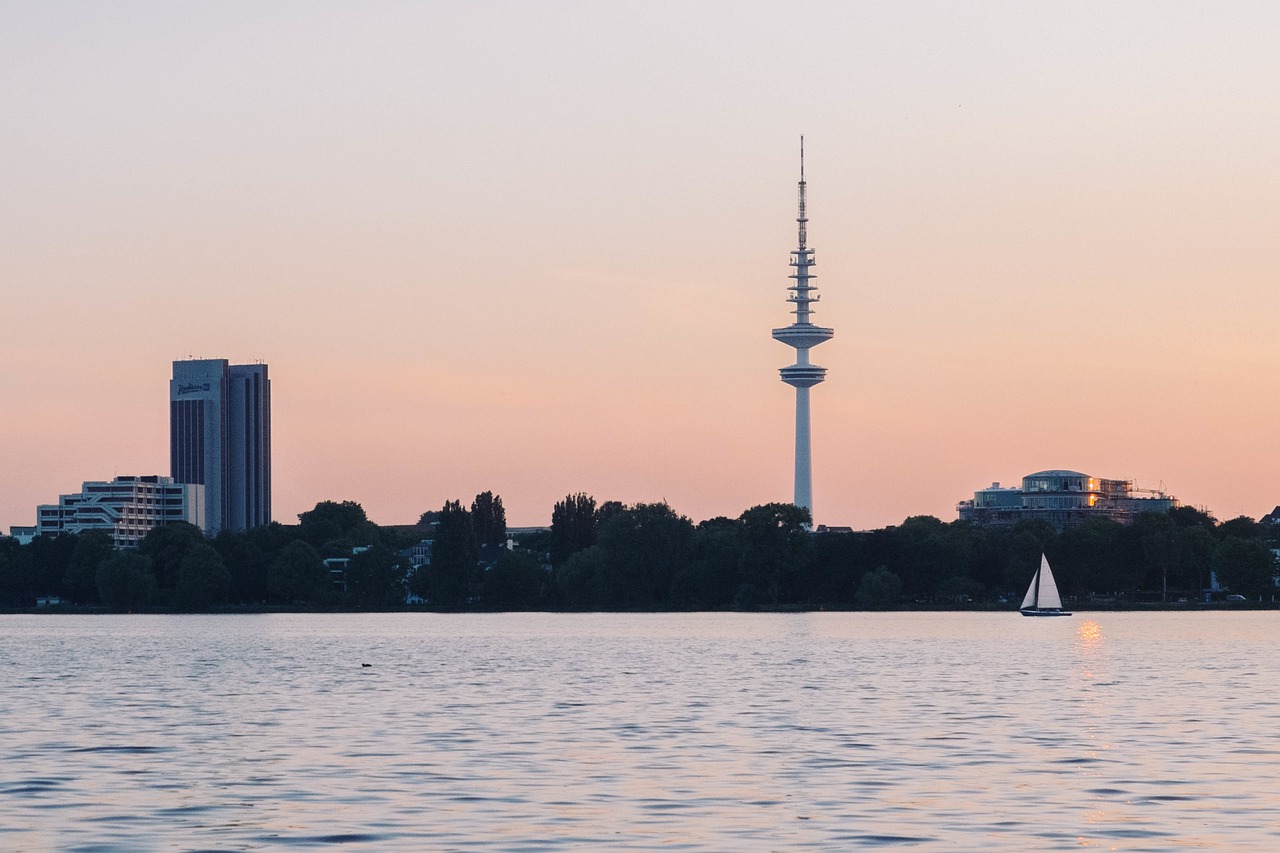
(829, 731)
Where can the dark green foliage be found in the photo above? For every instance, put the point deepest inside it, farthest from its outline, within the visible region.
(36, 569)
(516, 582)
(298, 575)
(1089, 556)
(879, 590)
(80, 583)
(203, 580)
(638, 553)
(1245, 566)
(576, 580)
(573, 527)
(708, 579)
(1241, 527)
(248, 556)
(125, 582)
(1187, 516)
(166, 546)
(489, 519)
(1175, 549)
(452, 580)
(376, 579)
(45, 564)
(608, 510)
(12, 558)
(331, 523)
(775, 547)
(645, 557)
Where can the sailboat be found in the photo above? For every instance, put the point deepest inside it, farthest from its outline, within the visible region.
(1042, 597)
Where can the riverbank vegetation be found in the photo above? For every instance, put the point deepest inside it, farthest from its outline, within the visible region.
(638, 557)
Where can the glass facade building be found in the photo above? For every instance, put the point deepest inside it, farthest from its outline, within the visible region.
(1062, 498)
(220, 437)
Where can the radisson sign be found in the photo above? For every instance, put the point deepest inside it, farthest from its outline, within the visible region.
(192, 388)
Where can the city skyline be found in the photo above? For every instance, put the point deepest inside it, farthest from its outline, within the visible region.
(532, 252)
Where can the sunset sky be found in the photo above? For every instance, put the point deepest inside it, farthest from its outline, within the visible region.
(538, 248)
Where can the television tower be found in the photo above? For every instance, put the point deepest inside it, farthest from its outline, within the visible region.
(803, 335)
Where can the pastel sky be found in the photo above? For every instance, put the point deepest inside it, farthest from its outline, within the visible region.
(538, 248)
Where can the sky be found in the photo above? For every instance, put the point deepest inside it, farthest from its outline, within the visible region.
(538, 248)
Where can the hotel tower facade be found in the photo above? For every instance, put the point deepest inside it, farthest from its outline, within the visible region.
(220, 437)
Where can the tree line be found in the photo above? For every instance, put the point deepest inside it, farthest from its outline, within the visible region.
(648, 557)
(643, 556)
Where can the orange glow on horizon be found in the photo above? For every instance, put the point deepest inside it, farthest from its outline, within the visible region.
(555, 267)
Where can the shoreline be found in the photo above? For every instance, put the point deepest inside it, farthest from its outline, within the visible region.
(1131, 607)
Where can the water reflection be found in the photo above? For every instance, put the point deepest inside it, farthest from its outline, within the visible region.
(1089, 633)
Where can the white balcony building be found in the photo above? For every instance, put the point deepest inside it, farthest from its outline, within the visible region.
(126, 507)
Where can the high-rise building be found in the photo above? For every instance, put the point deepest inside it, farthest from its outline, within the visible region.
(220, 437)
(802, 335)
(249, 418)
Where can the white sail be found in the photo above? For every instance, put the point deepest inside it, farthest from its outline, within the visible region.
(1030, 599)
(1048, 597)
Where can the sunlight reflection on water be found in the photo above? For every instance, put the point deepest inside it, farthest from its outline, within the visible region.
(691, 731)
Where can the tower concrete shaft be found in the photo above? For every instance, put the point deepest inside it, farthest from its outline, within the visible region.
(803, 335)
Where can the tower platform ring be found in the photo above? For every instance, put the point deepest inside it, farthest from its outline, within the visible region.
(803, 335)
(803, 375)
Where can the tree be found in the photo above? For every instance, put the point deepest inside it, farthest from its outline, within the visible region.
(80, 583)
(489, 519)
(930, 552)
(166, 545)
(331, 521)
(1188, 516)
(12, 557)
(576, 580)
(608, 510)
(247, 555)
(1091, 556)
(573, 526)
(516, 582)
(1176, 548)
(709, 578)
(125, 581)
(1243, 527)
(1245, 566)
(203, 579)
(776, 541)
(298, 574)
(452, 578)
(642, 549)
(879, 590)
(45, 563)
(376, 578)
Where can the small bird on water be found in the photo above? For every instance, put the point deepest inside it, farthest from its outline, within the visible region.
(366, 664)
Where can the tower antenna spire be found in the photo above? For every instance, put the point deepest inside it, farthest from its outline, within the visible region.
(803, 335)
(802, 218)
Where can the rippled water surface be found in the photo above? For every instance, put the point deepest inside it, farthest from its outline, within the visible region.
(685, 732)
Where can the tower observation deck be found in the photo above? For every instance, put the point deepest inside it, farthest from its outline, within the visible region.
(803, 335)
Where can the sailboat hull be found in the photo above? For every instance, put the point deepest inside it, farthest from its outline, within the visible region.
(1042, 597)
